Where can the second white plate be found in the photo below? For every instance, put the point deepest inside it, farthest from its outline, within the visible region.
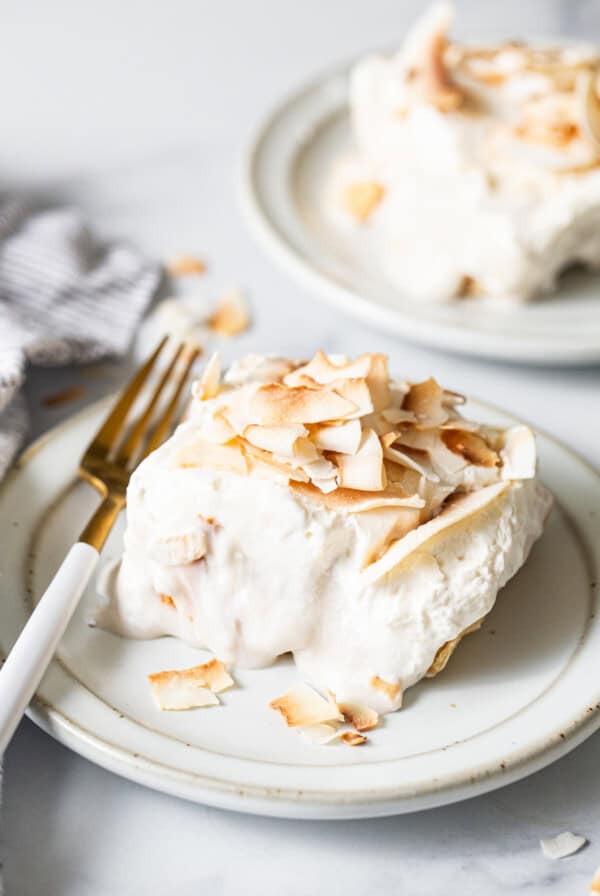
(284, 179)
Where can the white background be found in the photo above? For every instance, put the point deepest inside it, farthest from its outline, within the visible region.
(138, 113)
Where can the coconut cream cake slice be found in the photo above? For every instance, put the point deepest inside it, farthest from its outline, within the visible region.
(322, 508)
(484, 157)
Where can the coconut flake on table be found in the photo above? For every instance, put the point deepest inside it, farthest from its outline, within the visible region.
(562, 845)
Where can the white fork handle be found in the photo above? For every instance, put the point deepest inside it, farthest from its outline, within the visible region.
(31, 654)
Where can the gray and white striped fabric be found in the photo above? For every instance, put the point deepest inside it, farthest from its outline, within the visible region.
(64, 296)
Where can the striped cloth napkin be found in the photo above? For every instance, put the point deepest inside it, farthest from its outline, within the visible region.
(64, 296)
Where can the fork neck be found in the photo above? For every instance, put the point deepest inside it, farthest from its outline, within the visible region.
(97, 530)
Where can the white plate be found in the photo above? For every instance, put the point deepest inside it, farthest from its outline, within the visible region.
(516, 696)
(284, 178)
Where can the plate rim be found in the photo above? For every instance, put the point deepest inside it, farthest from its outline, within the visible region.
(305, 803)
(452, 338)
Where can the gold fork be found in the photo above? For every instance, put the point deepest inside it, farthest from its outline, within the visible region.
(107, 464)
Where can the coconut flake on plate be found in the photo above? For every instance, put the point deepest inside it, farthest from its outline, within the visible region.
(562, 845)
(215, 675)
(184, 265)
(231, 315)
(301, 705)
(352, 738)
(320, 734)
(177, 689)
(361, 717)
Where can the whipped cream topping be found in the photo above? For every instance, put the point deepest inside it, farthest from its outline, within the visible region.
(323, 508)
(476, 168)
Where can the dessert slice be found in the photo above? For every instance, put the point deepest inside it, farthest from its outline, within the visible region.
(322, 508)
(486, 157)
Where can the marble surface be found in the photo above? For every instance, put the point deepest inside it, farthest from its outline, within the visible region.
(138, 113)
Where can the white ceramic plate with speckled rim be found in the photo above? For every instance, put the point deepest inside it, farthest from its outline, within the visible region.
(517, 695)
(284, 179)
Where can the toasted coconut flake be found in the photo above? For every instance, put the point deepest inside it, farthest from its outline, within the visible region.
(184, 265)
(320, 734)
(518, 453)
(389, 688)
(321, 469)
(278, 464)
(352, 739)
(469, 288)
(167, 600)
(362, 198)
(277, 439)
(326, 486)
(363, 718)
(173, 695)
(451, 399)
(343, 437)
(562, 845)
(460, 509)
(307, 455)
(440, 660)
(258, 369)
(440, 90)
(462, 424)
(369, 370)
(595, 884)
(590, 102)
(404, 459)
(357, 391)
(346, 500)
(215, 675)
(208, 385)
(325, 370)
(425, 400)
(445, 463)
(190, 688)
(276, 405)
(217, 428)
(378, 382)
(231, 316)
(203, 453)
(182, 689)
(398, 415)
(364, 470)
(301, 705)
(472, 447)
(381, 526)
